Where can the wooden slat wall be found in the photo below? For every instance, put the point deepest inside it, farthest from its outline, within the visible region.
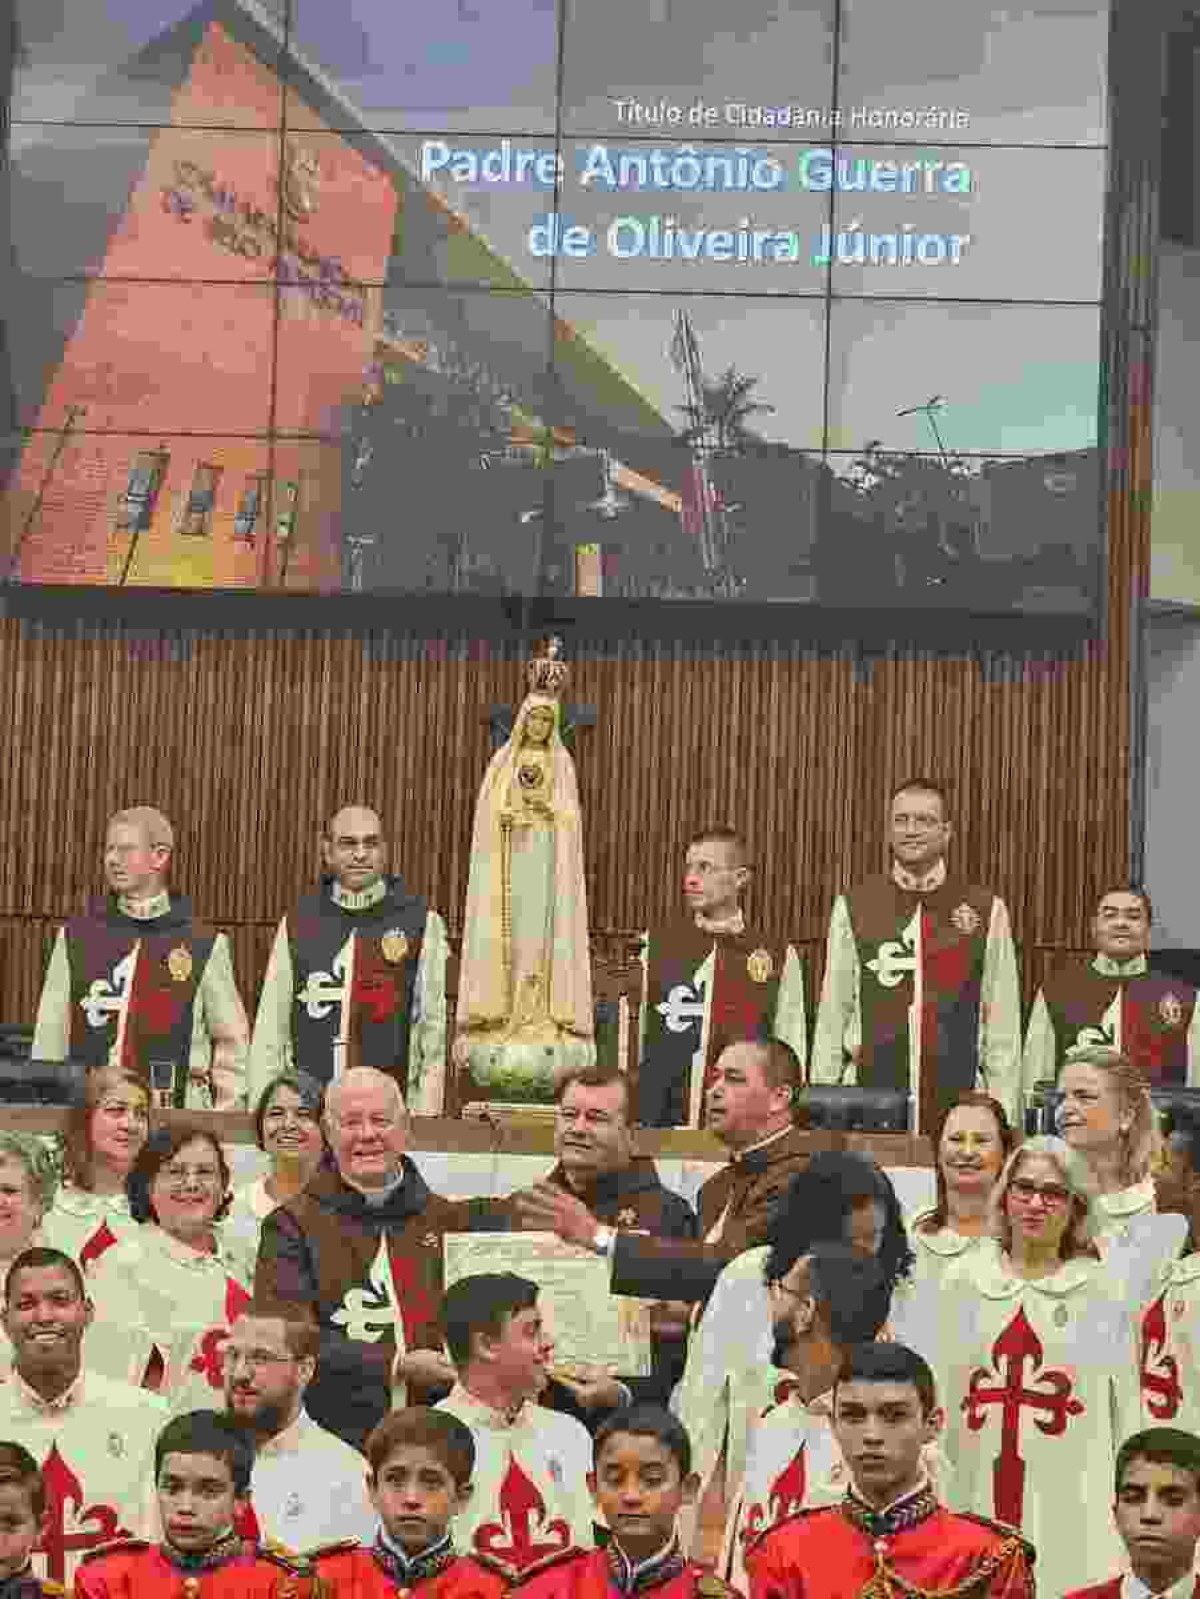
(248, 743)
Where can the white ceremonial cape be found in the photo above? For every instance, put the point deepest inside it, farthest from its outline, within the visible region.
(531, 1497)
(309, 1488)
(916, 1303)
(84, 1225)
(95, 1447)
(1169, 1348)
(1038, 1382)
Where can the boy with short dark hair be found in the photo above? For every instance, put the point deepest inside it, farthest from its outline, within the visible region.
(641, 1478)
(22, 1513)
(202, 1464)
(1157, 1512)
(419, 1479)
(889, 1533)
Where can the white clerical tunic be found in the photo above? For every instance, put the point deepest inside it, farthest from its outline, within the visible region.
(1038, 1382)
(309, 1488)
(1169, 1348)
(95, 1447)
(915, 1303)
(1135, 1242)
(531, 1497)
(83, 1225)
(152, 1292)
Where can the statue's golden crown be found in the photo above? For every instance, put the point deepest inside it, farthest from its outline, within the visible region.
(546, 672)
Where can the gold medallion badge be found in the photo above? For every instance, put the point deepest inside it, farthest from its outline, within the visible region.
(759, 966)
(966, 918)
(393, 947)
(626, 1217)
(1170, 1010)
(179, 964)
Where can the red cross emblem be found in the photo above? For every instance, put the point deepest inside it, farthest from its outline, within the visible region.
(1159, 1371)
(65, 1500)
(1049, 1393)
(785, 1496)
(514, 1539)
(100, 1240)
(209, 1359)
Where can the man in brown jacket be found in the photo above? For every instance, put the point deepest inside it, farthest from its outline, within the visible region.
(360, 1252)
(750, 1108)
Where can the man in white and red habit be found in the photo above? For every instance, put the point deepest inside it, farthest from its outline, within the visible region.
(93, 1438)
(1116, 999)
(1169, 1347)
(135, 980)
(921, 990)
(357, 975)
(531, 1500)
(710, 979)
(822, 1304)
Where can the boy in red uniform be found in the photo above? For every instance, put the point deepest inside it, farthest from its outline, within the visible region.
(22, 1509)
(1157, 1512)
(202, 1465)
(420, 1476)
(641, 1478)
(889, 1535)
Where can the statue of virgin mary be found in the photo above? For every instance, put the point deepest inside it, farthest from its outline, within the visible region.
(525, 1016)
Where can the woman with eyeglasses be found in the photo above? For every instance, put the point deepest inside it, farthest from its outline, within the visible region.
(166, 1296)
(287, 1128)
(105, 1132)
(1036, 1367)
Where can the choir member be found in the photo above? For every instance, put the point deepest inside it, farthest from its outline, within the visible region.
(1107, 1115)
(28, 1181)
(357, 975)
(710, 979)
(1036, 1363)
(287, 1128)
(419, 1477)
(921, 990)
(750, 1106)
(105, 1132)
(1116, 999)
(838, 1198)
(1157, 1512)
(22, 1509)
(166, 1294)
(93, 1437)
(889, 1534)
(202, 1466)
(641, 1479)
(360, 1251)
(972, 1141)
(826, 1301)
(136, 981)
(531, 1464)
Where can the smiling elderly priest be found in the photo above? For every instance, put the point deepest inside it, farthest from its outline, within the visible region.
(357, 975)
(1116, 999)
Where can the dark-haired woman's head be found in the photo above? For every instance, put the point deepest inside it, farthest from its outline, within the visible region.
(838, 1199)
(181, 1182)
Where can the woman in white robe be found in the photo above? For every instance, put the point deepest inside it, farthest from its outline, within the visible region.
(1036, 1371)
(287, 1128)
(28, 1182)
(104, 1135)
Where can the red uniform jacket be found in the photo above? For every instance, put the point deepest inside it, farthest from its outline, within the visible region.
(586, 1574)
(822, 1554)
(137, 1570)
(1112, 1590)
(350, 1571)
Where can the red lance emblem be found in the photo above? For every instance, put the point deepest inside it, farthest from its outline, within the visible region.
(209, 1359)
(786, 1495)
(418, 1309)
(514, 1540)
(100, 1240)
(1051, 1395)
(64, 1495)
(1159, 1371)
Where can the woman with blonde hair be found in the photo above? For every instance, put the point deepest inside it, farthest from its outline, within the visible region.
(28, 1180)
(1036, 1364)
(105, 1132)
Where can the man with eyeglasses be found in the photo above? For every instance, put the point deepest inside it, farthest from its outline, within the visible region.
(359, 1253)
(921, 991)
(308, 1486)
(357, 975)
(136, 981)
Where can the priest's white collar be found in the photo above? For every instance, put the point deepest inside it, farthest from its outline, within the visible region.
(349, 900)
(144, 910)
(722, 924)
(482, 1414)
(32, 1400)
(289, 1439)
(1134, 1588)
(923, 883)
(1132, 1201)
(1106, 966)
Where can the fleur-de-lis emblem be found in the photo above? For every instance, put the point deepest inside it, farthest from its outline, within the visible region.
(369, 1313)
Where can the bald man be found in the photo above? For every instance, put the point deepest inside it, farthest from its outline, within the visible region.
(357, 975)
(135, 980)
